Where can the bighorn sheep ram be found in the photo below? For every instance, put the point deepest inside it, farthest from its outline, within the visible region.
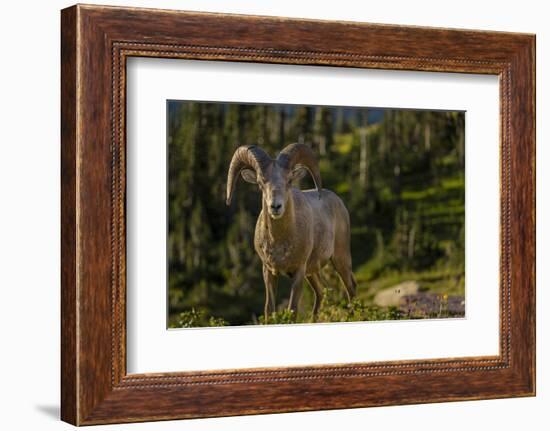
(297, 231)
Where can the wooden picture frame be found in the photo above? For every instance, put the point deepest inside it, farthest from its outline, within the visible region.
(95, 43)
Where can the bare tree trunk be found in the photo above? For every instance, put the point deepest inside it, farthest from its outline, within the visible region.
(282, 128)
(363, 164)
(363, 149)
(427, 136)
(322, 146)
(461, 145)
(412, 234)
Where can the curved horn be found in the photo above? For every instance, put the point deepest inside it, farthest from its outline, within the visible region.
(301, 154)
(245, 156)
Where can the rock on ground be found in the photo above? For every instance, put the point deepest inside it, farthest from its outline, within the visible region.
(421, 305)
(391, 296)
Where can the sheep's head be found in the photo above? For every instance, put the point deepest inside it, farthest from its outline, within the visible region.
(274, 177)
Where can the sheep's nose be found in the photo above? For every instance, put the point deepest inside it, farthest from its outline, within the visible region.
(276, 207)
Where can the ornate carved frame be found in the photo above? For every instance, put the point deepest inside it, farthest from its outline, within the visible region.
(96, 41)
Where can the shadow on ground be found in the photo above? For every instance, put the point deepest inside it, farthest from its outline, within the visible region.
(49, 410)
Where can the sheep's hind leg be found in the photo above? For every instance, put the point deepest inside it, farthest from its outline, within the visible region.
(343, 268)
(296, 291)
(314, 281)
(270, 282)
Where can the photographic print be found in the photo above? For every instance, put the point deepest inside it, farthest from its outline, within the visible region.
(282, 214)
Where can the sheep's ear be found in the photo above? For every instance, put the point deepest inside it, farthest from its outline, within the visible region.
(249, 176)
(298, 173)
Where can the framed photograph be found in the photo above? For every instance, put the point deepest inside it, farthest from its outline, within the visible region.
(329, 214)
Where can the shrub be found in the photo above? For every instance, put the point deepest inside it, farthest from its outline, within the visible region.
(196, 319)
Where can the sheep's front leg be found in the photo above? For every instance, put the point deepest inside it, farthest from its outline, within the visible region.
(270, 282)
(296, 290)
